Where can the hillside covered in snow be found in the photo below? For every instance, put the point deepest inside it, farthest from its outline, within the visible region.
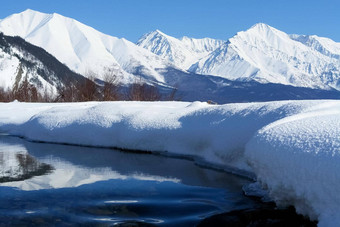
(182, 52)
(21, 61)
(292, 147)
(266, 54)
(261, 53)
(260, 64)
(82, 48)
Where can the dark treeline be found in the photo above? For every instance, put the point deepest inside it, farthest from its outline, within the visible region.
(87, 90)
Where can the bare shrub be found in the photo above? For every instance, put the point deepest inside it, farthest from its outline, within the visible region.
(139, 91)
(26, 92)
(110, 90)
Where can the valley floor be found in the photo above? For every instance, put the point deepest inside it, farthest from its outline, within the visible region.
(292, 147)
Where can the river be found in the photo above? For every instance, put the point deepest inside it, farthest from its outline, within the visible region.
(49, 184)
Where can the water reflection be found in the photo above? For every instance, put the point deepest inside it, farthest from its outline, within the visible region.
(59, 185)
(20, 166)
(46, 166)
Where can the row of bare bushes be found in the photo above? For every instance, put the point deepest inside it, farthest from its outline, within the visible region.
(89, 90)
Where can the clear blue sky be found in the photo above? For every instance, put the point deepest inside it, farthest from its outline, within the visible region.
(195, 18)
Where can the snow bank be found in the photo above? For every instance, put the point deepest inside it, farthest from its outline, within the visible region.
(298, 159)
(217, 134)
(291, 146)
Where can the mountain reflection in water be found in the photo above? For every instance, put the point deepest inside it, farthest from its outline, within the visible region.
(61, 166)
(49, 184)
(25, 167)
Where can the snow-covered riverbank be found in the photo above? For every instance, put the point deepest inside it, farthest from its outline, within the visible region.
(292, 146)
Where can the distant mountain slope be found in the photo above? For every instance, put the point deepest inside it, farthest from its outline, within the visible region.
(20, 60)
(218, 70)
(221, 90)
(81, 47)
(182, 52)
(266, 54)
(323, 45)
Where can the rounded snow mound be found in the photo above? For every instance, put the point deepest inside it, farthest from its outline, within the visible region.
(297, 159)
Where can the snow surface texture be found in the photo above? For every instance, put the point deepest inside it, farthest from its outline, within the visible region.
(291, 146)
(306, 150)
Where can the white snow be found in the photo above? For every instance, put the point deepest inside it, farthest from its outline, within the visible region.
(298, 159)
(266, 54)
(13, 71)
(82, 48)
(292, 146)
(262, 52)
(182, 52)
(217, 134)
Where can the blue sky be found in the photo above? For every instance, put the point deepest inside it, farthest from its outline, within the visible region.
(219, 19)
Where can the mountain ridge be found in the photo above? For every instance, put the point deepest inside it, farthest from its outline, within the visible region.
(207, 66)
(82, 48)
(266, 54)
(20, 60)
(183, 52)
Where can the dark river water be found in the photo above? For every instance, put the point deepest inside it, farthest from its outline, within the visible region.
(59, 185)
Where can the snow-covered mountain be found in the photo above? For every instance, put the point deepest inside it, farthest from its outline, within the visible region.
(83, 48)
(21, 61)
(325, 46)
(182, 52)
(266, 54)
(201, 69)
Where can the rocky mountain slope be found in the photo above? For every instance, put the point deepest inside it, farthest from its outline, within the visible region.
(21, 61)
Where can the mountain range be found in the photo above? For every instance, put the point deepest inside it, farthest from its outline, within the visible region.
(261, 53)
(250, 66)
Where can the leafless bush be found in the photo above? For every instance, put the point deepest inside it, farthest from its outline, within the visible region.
(26, 92)
(110, 90)
(80, 91)
(5, 95)
(68, 93)
(139, 91)
(90, 89)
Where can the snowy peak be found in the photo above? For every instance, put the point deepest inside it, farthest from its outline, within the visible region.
(264, 31)
(158, 43)
(266, 54)
(261, 27)
(82, 48)
(22, 24)
(202, 45)
(182, 52)
(262, 36)
(261, 53)
(323, 45)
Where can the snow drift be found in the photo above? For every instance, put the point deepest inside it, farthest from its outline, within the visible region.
(298, 159)
(291, 146)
